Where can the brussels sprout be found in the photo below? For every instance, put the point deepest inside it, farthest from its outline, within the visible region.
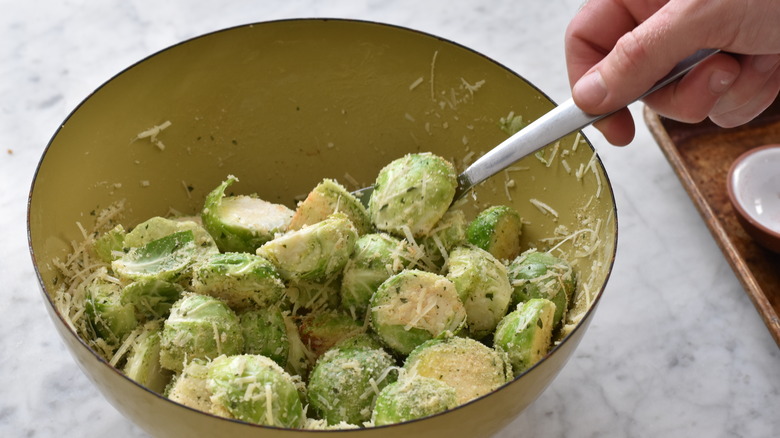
(412, 398)
(316, 252)
(152, 298)
(469, 366)
(159, 227)
(448, 233)
(376, 257)
(255, 389)
(326, 198)
(240, 279)
(190, 387)
(483, 286)
(322, 330)
(497, 230)
(541, 275)
(199, 327)
(526, 333)
(110, 244)
(242, 223)
(265, 333)
(111, 320)
(344, 384)
(412, 193)
(414, 306)
(143, 361)
(312, 296)
(163, 259)
(360, 340)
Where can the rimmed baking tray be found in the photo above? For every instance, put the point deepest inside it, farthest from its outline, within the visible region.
(701, 155)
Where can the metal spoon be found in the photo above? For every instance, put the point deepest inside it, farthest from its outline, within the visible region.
(563, 120)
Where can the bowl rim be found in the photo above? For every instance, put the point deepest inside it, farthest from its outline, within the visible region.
(48, 298)
(735, 199)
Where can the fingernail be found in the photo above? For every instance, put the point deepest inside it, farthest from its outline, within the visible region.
(765, 63)
(720, 80)
(590, 90)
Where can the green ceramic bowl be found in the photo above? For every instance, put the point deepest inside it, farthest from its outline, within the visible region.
(282, 105)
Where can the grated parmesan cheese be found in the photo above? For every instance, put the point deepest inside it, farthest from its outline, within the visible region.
(544, 208)
(416, 83)
(152, 134)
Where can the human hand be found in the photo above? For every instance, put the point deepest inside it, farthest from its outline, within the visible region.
(617, 49)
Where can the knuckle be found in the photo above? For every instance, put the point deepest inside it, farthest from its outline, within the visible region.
(630, 53)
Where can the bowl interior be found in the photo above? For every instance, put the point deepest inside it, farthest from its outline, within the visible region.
(282, 105)
(755, 181)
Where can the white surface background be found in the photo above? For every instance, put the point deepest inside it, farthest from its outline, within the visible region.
(676, 349)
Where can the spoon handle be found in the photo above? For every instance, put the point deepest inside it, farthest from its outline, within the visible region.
(560, 122)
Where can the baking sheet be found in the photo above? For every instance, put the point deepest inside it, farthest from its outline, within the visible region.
(701, 155)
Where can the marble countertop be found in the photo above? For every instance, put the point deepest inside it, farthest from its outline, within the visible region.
(676, 348)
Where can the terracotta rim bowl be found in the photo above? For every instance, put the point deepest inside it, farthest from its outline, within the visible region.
(754, 191)
(282, 105)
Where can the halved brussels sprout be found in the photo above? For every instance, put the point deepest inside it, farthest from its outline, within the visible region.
(465, 364)
(143, 360)
(265, 333)
(497, 230)
(158, 227)
(199, 327)
(242, 223)
(483, 286)
(315, 252)
(190, 387)
(326, 198)
(255, 389)
(414, 306)
(412, 193)
(152, 298)
(448, 233)
(320, 331)
(241, 280)
(110, 244)
(376, 257)
(537, 274)
(166, 258)
(343, 384)
(411, 398)
(526, 333)
(109, 318)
